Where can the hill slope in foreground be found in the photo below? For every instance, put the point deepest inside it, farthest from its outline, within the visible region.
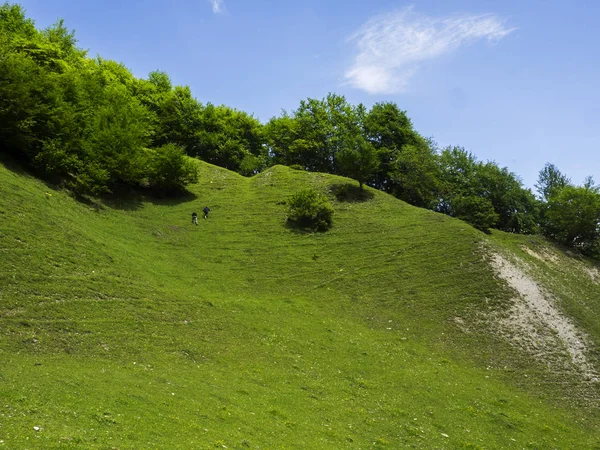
(125, 326)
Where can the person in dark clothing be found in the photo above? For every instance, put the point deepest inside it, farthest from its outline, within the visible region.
(195, 218)
(206, 211)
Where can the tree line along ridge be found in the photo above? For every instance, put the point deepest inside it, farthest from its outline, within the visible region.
(91, 126)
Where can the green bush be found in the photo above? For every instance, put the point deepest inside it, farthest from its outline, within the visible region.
(170, 170)
(308, 209)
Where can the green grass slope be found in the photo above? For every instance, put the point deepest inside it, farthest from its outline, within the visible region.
(124, 326)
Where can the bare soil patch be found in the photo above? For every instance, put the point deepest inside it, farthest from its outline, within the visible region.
(543, 255)
(593, 273)
(535, 323)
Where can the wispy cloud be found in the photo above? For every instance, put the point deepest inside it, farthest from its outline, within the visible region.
(217, 6)
(390, 48)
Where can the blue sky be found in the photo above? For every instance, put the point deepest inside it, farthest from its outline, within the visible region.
(511, 81)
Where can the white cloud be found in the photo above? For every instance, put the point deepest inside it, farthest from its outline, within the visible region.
(391, 47)
(217, 6)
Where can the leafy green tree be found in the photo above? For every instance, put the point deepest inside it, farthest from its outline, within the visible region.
(478, 211)
(330, 135)
(463, 177)
(87, 122)
(227, 136)
(119, 132)
(357, 159)
(280, 134)
(313, 134)
(175, 114)
(414, 175)
(97, 127)
(32, 82)
(312, 147)
(160, 80)
(251, 165)
(390, 130)
(20, 79)
(71, 117)
(63, 42)
(550, 180)
(516, 206)
(153, 94)
(14, 23)
(458, 177)
(180, 120)
(217, 134)
(573, 217)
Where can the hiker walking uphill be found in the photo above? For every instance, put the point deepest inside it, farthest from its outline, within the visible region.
(195, 218)
(206, 211)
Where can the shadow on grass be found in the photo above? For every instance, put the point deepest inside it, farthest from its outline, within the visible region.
(301, 228)
(14, 165)
(350, 193)
(123, 197)
(127, 198)
(20, 167)
(591, 255)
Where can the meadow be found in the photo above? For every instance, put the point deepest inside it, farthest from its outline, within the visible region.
(125, 326)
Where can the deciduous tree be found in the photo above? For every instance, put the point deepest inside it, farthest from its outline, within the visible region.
(573, 217)
(357, 159)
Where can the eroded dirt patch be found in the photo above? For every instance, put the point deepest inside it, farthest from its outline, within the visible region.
(552, 258)
(593, 273)
(536, 324)
(544, 255)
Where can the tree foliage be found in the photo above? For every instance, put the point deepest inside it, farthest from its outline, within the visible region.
(170, 170)
(228, 137)
(573, 217)
(550, 180)
(357, 159)
(481, 186)
(476, 210)
(77, 119)
(92, 125)
(314, 134)
(414, 175)
(391, 132)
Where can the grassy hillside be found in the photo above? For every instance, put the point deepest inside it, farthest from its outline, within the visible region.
(124, 326)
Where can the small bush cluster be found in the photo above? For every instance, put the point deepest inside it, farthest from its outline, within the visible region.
(308, 209)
